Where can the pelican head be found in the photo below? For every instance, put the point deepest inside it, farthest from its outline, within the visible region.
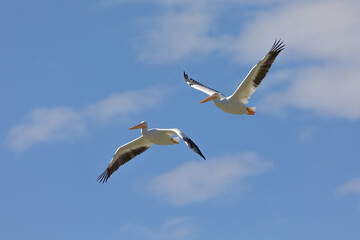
(142, 125)
(215, 95)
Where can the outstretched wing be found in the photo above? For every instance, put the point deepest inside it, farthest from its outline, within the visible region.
(194, 84)
(124, 154)
(187, 140)
(257, 73)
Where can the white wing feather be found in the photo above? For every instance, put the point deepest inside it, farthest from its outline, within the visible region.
(257, 74)
(199, 86)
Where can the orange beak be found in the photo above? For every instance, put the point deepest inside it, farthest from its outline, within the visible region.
(209, 98)
(140, 125)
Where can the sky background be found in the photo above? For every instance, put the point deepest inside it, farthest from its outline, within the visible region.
(74, 75)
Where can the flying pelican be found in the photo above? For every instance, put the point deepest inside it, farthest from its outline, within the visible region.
(149, 137)
(235, 104)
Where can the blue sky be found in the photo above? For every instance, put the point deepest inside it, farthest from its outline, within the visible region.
(74, 75)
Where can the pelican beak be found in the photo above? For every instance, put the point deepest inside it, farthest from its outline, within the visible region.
(140, 125)
(209, 98)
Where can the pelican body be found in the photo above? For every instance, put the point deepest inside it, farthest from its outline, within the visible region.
(231, 105)
(148, 137)
(236, 103)
(159, 136)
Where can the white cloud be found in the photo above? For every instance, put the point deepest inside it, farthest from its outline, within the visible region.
(350, 187)
(123, 104)
(177, 34)
(308, 36)
(327, 91)
(173, 228)
(199, 181)
(46, 125)
(64, 123)
(182, 29)
(186, 28)
(187, 3)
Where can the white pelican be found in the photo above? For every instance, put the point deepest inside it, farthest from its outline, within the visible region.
(149, 137)
(235, 103)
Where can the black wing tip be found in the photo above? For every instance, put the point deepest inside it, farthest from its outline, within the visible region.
(278, 46)
(103, 177)
(194, 147)
(200, 153)
(189, 81)
(186, 76)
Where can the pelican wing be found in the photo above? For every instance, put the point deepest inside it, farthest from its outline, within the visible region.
(187, 140)
(194, 84)
(124, 154)
(257, 73)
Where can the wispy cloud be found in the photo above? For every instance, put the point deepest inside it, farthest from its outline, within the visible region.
(350, 187)
(65, 123)
(188, 28)
(199, 181)
(182, 29)
(46, 124)
(185, 3)
(123, 104)
(174, 228)
(177, 34)
(327, 91)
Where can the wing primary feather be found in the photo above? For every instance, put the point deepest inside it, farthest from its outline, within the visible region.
(199, 86)
(193, 146)
(193, 82)
(103, 177)
(277, 47)
(121, 160)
